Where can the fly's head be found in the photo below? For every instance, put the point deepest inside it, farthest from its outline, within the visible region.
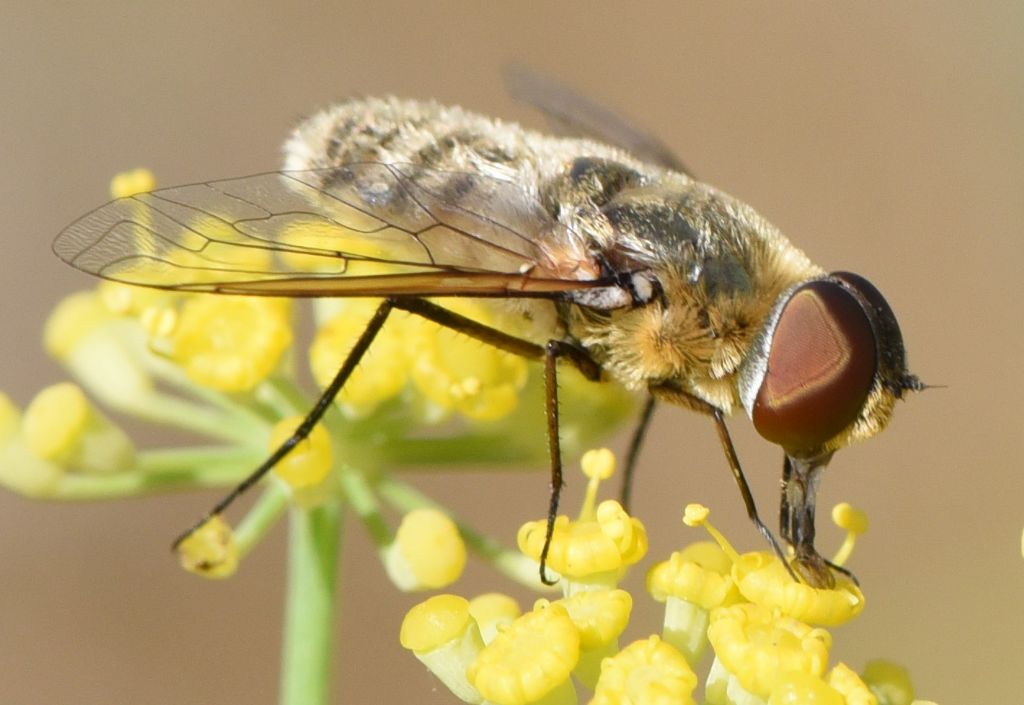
(826, 370)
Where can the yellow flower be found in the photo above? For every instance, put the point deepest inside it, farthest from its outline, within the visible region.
(763, 579)
(210, 550)
(647, 672)
(21, 470)
(102, 351)
(61, 426)
(231, 343)
(428, 552)
(690, 583)
(700, 574)
(756, 645)
(443, 635)
(600, 616)
(531, 658)
(594, 550)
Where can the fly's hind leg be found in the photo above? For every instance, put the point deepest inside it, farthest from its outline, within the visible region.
(633, 456)
(551, 354)
(306, 426)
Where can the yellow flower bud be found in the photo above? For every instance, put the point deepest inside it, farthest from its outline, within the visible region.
(210, 550)
(757, 645)
(74, 317)
(598, 464)
(428, 552)
(231, 343)
(309, 462)
(647, 672)
(445, 638)
(128, 300)
(61, 426)
(159, 321)
(529, 659)
(699, 574)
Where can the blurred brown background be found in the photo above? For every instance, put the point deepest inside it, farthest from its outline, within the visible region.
(883, 138)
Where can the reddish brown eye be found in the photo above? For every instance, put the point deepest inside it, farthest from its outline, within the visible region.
(821, 365)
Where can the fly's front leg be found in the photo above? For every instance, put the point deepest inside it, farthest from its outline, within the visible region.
(681, 398)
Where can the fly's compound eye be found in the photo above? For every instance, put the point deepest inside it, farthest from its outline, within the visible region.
(821, 365)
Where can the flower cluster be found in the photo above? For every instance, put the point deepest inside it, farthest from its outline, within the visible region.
(767, 632)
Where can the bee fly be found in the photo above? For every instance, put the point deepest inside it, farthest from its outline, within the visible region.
(623, 265)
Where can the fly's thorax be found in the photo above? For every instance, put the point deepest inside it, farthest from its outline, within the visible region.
(718, 268)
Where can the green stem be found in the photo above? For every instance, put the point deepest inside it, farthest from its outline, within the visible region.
(163, 470)
(462, 452)
(307, 655)
(261, 517)
(225, 424)
(362, 500)
(284, 396)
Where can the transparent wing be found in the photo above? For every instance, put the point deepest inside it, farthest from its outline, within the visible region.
(357, 229)
(573, 114)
